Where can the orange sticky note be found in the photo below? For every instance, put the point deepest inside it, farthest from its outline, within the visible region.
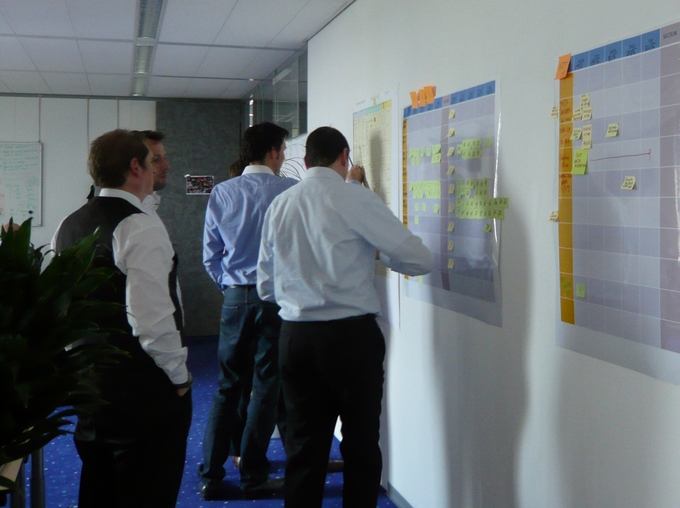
(421, 98)
(563, 66)
(429, 94)
(414, 100)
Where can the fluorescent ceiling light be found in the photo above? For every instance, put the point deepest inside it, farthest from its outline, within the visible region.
(143, 59)
(138, 86)
(149, 17)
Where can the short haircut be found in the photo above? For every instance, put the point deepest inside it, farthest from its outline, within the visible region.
(324, 146)
(110, 156)
(259, 139)
(152, 135)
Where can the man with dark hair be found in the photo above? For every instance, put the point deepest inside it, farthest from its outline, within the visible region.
(249, 327)
(133, 448)
(154, 141)
(316, 262)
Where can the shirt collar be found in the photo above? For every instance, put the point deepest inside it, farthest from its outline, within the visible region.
(256, 168)
(119, 193)
(321, 172)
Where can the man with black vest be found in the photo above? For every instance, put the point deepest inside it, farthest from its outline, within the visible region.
(133, 449)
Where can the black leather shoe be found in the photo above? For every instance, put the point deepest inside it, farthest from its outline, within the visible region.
(270, 488)
(220, 491)
(335, 466)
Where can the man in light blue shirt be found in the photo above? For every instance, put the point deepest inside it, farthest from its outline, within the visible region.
(317, 262)
(249, 327)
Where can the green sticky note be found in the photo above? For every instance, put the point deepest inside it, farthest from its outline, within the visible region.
(436, 208)
(424, 207)
(489, 142)
(437, 149)
(580, 163)
(436, 158)
(581, 290)
(417, 207)
(417, 219)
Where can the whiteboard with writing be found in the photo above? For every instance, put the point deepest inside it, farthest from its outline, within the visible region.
(21, 182)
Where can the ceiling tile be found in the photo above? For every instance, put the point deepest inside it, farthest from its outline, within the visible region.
(67, 83)
(24, 82)
(109, 84)
(42, 17)
(237, 89)
(194, 22)
(108, 57)
(103, 19)
(53, 54)
(265, 62)
(246, 26)
(175, 60)
(13, 56)
(4, 26)
(206, 88)
(226, 62)
(167, 87)
(309, 21)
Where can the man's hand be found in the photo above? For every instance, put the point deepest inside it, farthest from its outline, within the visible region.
(182, 391)
(357, 173)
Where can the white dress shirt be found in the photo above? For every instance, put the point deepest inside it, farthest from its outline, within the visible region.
(317, 255)
(143, 252)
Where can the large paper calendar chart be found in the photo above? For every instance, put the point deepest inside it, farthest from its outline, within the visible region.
(619, 169)
(449, 199)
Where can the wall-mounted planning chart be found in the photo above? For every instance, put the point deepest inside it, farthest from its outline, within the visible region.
(450, 200)
(618, 178)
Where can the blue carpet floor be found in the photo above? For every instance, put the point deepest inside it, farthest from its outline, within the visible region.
(62, 465)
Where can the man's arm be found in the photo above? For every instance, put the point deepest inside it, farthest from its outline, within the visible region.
(213, 245)
(265, 264)
(142, 251)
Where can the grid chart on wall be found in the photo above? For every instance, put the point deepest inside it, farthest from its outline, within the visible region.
(619, 163)
(449, 200)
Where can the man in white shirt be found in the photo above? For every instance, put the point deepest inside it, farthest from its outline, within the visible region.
(133, 449)
(316, 262)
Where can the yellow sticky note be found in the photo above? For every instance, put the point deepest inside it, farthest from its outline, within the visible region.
(587, 136)
(451, 170)
(452, 113)
(628, 183)
(414, 100)
(586, 113)
(581, 290)
(576, 133)
(452, 150)
(585, 99)
(577, 114)
(563, 66)
(417, 220)
(451, 226)
(612, 130)
(450, 244)
(553, 112)
(436, 208)
(422, 102)
(452, 207)
(554, 216)
(580, 163)
(452, 132)
(450, 265)
(436, 158)
(452, 188)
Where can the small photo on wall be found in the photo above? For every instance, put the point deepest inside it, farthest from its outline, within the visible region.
(200, 185)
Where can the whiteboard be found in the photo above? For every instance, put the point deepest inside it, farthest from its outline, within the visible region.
(21, 182)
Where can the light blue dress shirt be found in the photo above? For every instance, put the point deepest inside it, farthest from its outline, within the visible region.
(233, 224)
(317, 256)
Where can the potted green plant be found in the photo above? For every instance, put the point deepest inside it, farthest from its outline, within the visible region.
(43, 312)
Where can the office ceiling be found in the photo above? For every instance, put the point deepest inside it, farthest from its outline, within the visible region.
(209, 49)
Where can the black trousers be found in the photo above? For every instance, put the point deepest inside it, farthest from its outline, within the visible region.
(140, 471)
(331, 369)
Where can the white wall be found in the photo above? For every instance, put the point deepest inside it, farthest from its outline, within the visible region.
(479, 416)
(66, 127)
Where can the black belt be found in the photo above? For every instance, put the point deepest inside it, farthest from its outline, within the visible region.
(240, 286)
